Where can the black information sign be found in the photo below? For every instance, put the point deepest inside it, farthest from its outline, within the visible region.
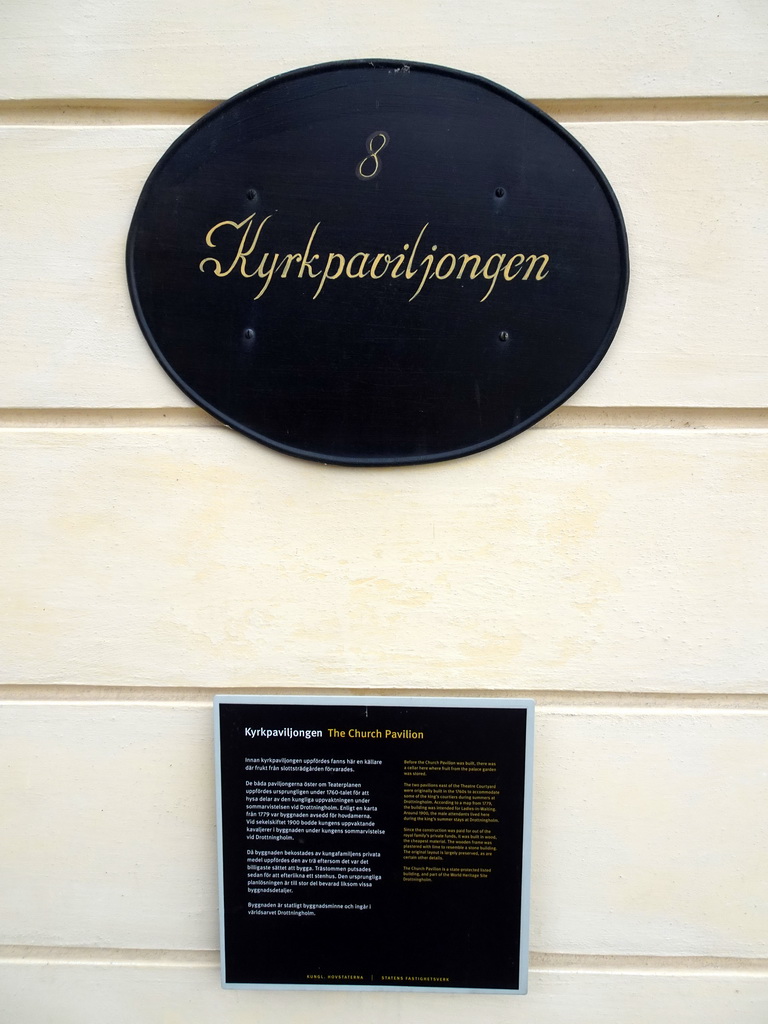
(374, 263)
(374, 843)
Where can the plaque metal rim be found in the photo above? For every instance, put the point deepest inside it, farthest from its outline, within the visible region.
(382, 461)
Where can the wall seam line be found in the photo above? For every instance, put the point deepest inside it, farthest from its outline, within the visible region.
(539, 962)
(83, 111)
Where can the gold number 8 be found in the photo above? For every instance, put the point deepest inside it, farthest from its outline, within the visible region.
(373, 155)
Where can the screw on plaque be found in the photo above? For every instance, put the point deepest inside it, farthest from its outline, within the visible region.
(500, 192)
(503, 335)
(251, 194)
(249, 335)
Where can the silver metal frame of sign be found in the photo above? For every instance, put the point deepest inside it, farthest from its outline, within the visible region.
(475, 929)
(365, 373)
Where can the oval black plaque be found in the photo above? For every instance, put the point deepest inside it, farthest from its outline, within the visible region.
(373, 263)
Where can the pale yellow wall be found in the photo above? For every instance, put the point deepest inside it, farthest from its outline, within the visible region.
(612, 562)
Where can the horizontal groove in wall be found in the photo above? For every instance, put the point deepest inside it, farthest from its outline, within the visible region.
(565, 962)
(565, 418)
(98, 956)
(84, 419)
(103, 112)
(651, 418)
(562, 963)
(556, 700)
(184, 112)
(550, 962)
(686, 108)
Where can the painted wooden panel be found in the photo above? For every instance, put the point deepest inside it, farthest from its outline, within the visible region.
(109, 822)
(565, 559)
(649, 838)
(163, 993)
(692, 334)
(569, 559)
(649, 831)
(145, 48)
